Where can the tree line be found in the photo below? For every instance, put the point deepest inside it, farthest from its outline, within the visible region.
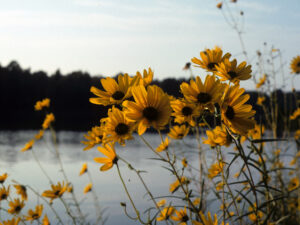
(70, 93)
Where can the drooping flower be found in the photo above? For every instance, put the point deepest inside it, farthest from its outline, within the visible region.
(114, 92)
(174, 186)
(87, 188)
(39, 105)
(203, 94)
(165, 213)
(261, 81)
(210, 58)
(215, 169)
(151, 108)
(163, 146)
(36, 214)
(295, 65)
(48, 120)
(84, 169)
(117, 127)
(109, 151)
(295, 114)
(15, 206)
(235, 113)
(21, 190)
(28, 145)
(56, 192)
(3, 178)
(147, 77)
(178, 132)
(184, 112)
(217, 136)
(95, 136)
(181, 216)
(4, 193)
(229, 70)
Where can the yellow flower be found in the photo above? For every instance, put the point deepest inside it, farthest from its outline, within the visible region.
(253, 217)
(184, 112)
(210, 58)
(28, 145)
(220, 186)
(109, 151)
(208, 221)
(257, 131)
(3, 178)
(217, 136)
(196, 201)
(260, 100)
(95, 136)
(295, 64)
(295, 114)
(48, 120)
(35, 215)
(219, 5)
(39, 135)
(297, 134)
(215, 169)
(15, 206)
(45, 220)
(229, 70)
(203, 94)
(117, 127)
(70, 188)
(13, 221)
(181, 216)
(184, 162)
(174, 186)
(56, 192)
(293, 161)
(87, 188)
(21, 190)
(39, 105)
(161, 203)
(178, 132)
(277, 152)
(151, 108)
(236, 114)
(84, 169)
(4, 193)
(261, 81)
(165, 213)
(293, 184)
(114, 93)
(147, 77)
(163, 146)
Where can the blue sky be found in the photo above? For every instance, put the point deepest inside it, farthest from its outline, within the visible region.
(106, 37)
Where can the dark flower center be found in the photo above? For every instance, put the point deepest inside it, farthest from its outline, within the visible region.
(185, 218)
(180, 135)
(115, 160)
(186, 111)
(57, 193)
(150, 113)
(211, 65)
(23, 188)
(118, 95)
(35, 216)
(203, 97)
(298, 64)
(229, 113)
(232, 74)
(18, 209)
(121, 129)
(3, 196)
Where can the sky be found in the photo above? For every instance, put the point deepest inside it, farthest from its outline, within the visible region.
(105, 37)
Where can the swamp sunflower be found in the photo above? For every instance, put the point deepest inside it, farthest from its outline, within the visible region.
(93, 137)
(151, 107)
(261, 81)
(217, 136)
(3, 178)
(39, 105)
(163, 146)
(165, 213)
(36, 214)
(109, 151)
(184, 112)
(178, 132)
(147, 77)
(28, 145)
(15, 206)
(21, 190)
(117, 127)
(295, 64)
(84, 169)
(45, 220)
(295, 114)
(4, 193)
(229, 70)
(114, 92)
(203, 94)
(48, 120)
(215, 169)
(210, 58)
(88, 188)
(208, 221)
(293, 184)
(56, 192)
(235, 113)
(181, 216)
(13, 221)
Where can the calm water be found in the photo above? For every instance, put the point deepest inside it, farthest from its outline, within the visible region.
(23, 168)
